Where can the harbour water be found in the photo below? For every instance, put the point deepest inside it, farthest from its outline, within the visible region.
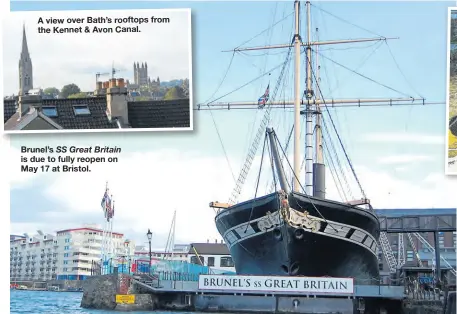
(39, 302)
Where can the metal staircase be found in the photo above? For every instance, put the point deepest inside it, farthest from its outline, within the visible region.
(387, 251)
(432, 249)
(149, 282)
(413, 246)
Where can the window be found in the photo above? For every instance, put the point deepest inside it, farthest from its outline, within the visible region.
(66, 248)
(210, 261)
(198, 261)
(227, 261)
(65, 254)
(409, 256)
(81, 110)
(50, 111)
(65, 262)
(67, 240)
(441, 239)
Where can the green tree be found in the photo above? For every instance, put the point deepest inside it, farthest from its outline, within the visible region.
(78, 95)
(141, 98)
(175, 92)
(68, 90)
(51, 91)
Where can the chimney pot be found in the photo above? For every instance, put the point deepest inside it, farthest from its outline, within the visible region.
(120, 82)
(112, 82)
(215, 241)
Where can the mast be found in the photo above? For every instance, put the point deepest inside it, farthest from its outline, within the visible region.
(277, 160)
(309, 102)
(309, 110)
(318, 166)
(297, 45)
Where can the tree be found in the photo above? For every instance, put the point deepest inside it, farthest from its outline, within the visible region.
(78, 95)
(68, 90)
(51, 91)
(175, 92)
(141, 98)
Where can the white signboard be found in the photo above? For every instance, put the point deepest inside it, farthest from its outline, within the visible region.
(276, 284)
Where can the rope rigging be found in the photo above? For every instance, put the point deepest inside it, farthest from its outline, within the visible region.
(301, 186)
(339, 137)
(253, 149)
(258, 181)
(365, 77)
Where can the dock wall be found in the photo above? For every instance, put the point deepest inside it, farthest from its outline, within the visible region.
(100, 293)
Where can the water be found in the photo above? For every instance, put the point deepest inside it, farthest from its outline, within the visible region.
(38, 302)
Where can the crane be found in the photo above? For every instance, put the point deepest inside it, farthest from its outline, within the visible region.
(97, 76)
(114, 71)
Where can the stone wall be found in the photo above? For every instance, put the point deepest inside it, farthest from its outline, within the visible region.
(143, 302)
(99, 292)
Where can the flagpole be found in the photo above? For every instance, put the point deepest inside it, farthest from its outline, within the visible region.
(105, 229)
(111, 227)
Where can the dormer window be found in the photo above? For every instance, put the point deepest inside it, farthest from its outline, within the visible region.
(50, 111)
(81, 110)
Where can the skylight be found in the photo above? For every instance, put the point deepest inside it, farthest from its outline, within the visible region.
(81, 110)
(50, 111)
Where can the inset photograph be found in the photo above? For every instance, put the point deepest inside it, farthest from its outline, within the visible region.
(98, 71)
(452, 97)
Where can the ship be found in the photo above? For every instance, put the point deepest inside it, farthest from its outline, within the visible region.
(295, 230)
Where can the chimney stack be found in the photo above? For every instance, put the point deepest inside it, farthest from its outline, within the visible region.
(215, 241)
(116, 101)
(26, 102)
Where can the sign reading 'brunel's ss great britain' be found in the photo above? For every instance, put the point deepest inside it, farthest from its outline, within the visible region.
(277, 284)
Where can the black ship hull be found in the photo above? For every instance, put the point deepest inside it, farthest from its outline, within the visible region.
(341, 244)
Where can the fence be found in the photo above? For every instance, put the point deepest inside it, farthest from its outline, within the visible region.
(163, 270)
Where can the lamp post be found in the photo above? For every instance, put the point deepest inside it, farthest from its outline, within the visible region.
(149, 234)
(127, 255)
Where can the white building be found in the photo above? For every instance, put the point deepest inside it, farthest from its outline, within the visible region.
(69, 255)
(214, 255)
(33, 257)
(180, 252)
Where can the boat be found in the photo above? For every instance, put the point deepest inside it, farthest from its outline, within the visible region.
(296, 230)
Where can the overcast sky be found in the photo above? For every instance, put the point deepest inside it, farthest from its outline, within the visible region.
(60, 59)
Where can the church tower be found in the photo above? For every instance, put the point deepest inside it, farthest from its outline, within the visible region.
(25, 67)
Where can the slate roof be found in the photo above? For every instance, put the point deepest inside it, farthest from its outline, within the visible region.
(142, 114)
(66, 117)
(159, 114)
(209, 249)
(9, 109)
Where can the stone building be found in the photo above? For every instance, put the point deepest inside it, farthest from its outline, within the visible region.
(141, 77)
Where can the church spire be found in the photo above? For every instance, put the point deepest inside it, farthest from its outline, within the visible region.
(25, 48)
(25, 67)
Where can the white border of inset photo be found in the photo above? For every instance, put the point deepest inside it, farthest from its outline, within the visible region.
(118, 123)
(447, 164)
